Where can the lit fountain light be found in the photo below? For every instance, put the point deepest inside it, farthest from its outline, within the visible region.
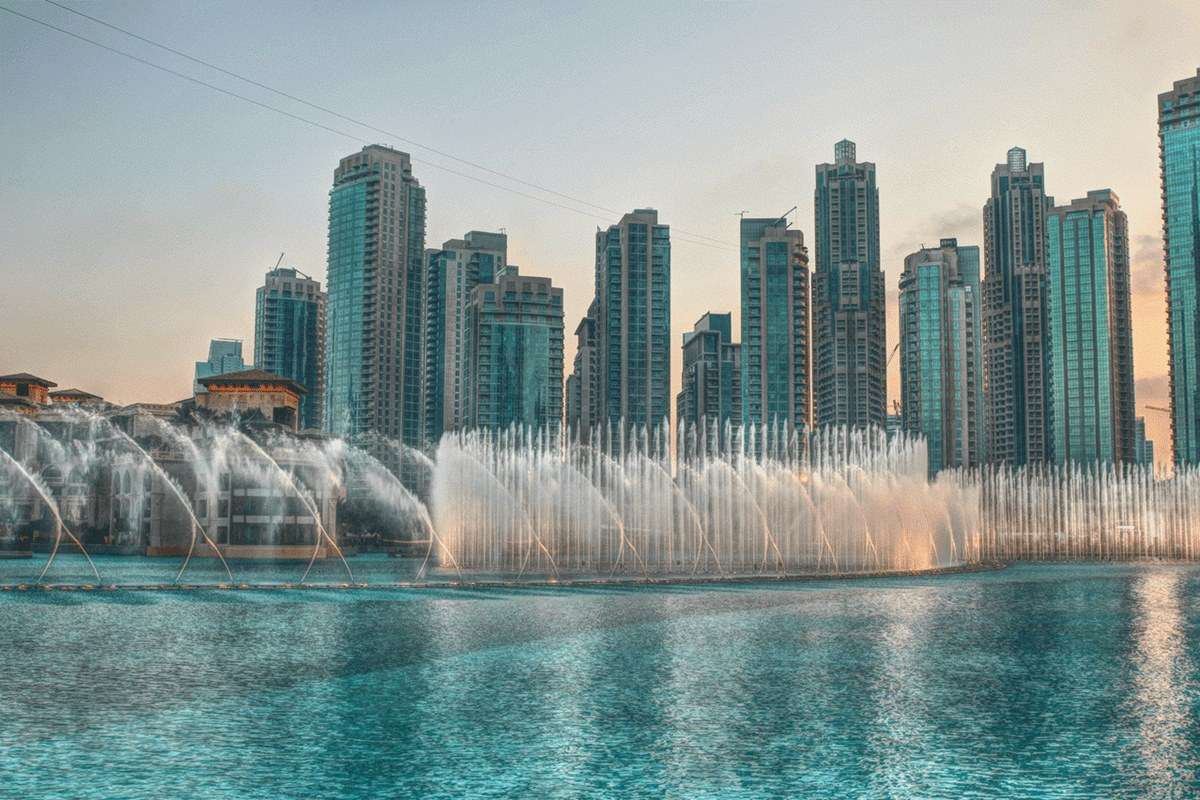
(722, 502)
(749, 502)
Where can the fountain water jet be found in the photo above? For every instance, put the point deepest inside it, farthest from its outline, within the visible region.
(60, 526)
(290, 482)
(173, 487)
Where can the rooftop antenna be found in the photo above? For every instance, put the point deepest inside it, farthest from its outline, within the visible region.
(280, 261)
(742, 214)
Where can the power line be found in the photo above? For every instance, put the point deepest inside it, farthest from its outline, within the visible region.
(344, 117)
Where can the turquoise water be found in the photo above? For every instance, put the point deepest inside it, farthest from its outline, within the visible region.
(1033, 681)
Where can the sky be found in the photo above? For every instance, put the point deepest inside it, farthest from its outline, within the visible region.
(139, 211)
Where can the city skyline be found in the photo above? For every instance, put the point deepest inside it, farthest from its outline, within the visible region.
(234, 230)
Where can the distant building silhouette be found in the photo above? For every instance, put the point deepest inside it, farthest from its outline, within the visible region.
(711, 393)
(583, 385)
(1143, 447)
(224, 355)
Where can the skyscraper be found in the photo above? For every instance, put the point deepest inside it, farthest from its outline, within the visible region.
(374, 350)
(849, 323)
(941, 358)
(1179, 167)
(224, 355)
(515, 368)
(583, 385)
(1090, 331)
(1014, 312)
(775, 346)
(633, 321)
(711, 393)
(451, 273)
(289, 336)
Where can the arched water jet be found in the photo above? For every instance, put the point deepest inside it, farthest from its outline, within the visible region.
(172, 486)
(422, 512)
(60, 526)
(312, 509)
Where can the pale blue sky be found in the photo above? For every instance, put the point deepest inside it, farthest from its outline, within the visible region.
(138, 212)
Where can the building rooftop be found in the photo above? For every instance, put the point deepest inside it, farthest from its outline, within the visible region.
(252, 377)
(75, 394)
(25, 377)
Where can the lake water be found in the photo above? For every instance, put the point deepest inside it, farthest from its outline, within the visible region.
(1031, 681)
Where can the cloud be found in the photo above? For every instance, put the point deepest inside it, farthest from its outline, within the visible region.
(961, 217)
(1153, 388)
(1146, 265)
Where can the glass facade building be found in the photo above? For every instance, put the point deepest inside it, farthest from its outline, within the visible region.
(374, 336)
(1090, 331)
(633, 322)
(289, 336)
(515, 368)
(775, 326)
(451, 274)
(711, 393)
(1014, 312)
(849, 331)
(224, 355)
(1179, 168)
(941, 360)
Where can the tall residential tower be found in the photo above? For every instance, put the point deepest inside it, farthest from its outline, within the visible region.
(514, 372)
(1090, 331)
(849, 322)
(375, 328)
(774, 348)
(633, 322)
(1014, 312)
(941, 359)
(1179, 166)
(289, 336)
(451, 273)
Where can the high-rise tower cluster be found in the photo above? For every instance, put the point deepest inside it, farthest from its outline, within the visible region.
(1024, 358)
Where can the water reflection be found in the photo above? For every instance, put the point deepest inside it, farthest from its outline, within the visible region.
(901, 710)
(1162, 683)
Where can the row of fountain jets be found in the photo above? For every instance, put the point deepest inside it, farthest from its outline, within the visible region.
(521, 505)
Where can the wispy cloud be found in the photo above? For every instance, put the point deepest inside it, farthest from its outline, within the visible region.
(1146, 266)
(1153, 389)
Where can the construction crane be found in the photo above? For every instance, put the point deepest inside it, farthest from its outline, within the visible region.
(1157, 408)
